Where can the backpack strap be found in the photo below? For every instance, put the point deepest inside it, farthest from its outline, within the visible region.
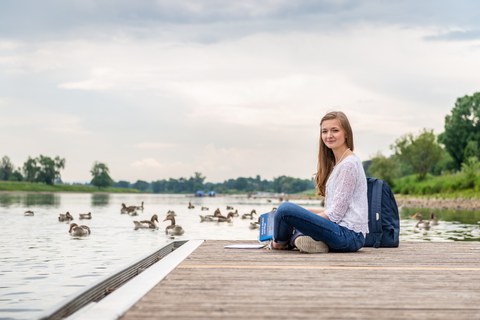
(376, 212)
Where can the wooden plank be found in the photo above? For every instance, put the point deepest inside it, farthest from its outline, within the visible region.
(418, 280)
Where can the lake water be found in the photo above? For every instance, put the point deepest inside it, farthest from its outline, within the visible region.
(42, 265)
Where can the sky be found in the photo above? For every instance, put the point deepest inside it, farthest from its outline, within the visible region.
(163, 89)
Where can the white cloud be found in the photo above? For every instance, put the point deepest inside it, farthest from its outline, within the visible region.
(153, 145)
(147, 163)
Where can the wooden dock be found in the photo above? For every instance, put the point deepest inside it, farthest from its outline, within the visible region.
(418, 280)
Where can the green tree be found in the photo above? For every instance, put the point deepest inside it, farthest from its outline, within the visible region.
(43, 169)
(471, 169)
(461, 127)
(16, 175)
(444, 165)
(6, 168)
(284, 184)
(141, 185)
(50, 168)
(383, 168)
(196, 182)
(30, 169)
(122, 184)
(421, 152)
(100, 175)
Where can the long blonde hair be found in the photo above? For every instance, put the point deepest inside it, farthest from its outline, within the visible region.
(326, 158)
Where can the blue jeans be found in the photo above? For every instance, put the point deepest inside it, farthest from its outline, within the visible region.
(291, 221)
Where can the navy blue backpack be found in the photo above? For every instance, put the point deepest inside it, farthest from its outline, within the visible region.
(383, 220)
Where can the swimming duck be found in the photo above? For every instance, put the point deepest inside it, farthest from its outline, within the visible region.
(79, 231)
(190, 205)
(85, 215)
(433, 219)
(173, 229)
(140, 207)
(234, 213)
(417, 216)
(146, 224)
(28, 213)
(423, 224)
(229, 208)
(131, 210)
(208, 218)
(65, 217)
(249, 215)
(228, 218)
(255, 224)
(205, 208)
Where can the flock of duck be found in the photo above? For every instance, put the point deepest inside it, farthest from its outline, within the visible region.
(173, 229)
(218, 217)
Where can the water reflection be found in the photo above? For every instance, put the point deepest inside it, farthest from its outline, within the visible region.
(42, 199)
(7, 199)
(29, 199)
(100, 199)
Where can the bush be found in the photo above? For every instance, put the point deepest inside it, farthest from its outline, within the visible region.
(433, 184)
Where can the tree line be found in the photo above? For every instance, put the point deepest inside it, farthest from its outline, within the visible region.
(45, 169)
(282, 184)
(457, 149)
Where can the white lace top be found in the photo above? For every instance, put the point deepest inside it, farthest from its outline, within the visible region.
(346, 200)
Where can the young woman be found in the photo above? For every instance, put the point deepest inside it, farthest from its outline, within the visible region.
(343, 224)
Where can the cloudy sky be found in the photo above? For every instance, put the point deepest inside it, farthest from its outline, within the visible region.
(162, 89)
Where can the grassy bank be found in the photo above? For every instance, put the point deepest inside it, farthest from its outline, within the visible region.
(448, 186)
(41, 187)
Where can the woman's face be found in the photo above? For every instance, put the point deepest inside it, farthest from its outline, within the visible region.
(332, 134)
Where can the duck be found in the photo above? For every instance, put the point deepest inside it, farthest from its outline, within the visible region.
(190, 205)
(205, 208)
(140, 207)
(234, 213)
(208, 218)
(433, 219)
(229, 208)
(423, 224)
(249, 215)
(255, 224)
(146, 224)
(29, 213)
(65, 217)
(173, 229)
(131, 210)
(79, 231)
(417, 216)
(228, 218)
(85, 215)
